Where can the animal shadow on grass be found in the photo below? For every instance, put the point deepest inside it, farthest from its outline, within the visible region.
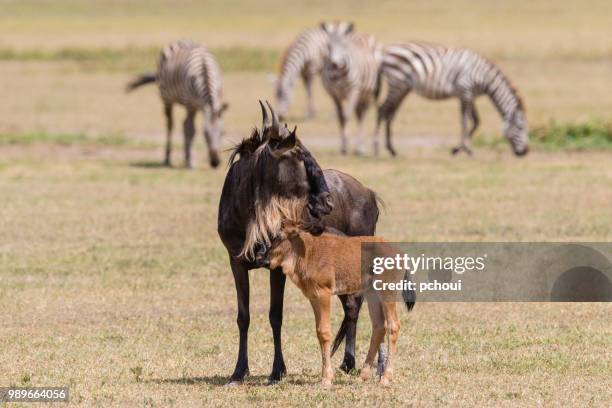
(218, 380)
(149, 164)
(221, 380)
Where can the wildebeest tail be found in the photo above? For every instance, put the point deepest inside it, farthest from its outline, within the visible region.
(340, 335)
(140, 80)
(409, 295)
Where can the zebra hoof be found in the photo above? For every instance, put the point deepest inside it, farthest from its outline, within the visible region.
(456, 150)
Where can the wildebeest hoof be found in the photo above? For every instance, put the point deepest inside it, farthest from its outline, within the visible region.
(273, 380)
(348, 363)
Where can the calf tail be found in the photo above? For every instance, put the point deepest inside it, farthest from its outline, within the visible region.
(140, 80)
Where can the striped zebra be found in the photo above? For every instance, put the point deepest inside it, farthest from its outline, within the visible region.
(436, 72)
(303, 58)
(188, 75)
(350, 75)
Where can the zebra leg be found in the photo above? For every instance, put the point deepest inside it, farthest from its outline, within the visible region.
(342, 118)
(361, 109)
(387, 112)
(307, 77)
(467, 115)
(188, 132)
(169, 126)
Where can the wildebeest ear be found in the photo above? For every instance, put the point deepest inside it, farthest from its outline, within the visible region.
(285, 145)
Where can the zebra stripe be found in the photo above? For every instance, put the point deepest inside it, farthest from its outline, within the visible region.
(303, 57)
(188, 75)
(436, 72)
(350, 76)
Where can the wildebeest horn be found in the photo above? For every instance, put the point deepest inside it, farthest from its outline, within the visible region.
(278, 129)
(275, 124)
(265, 122)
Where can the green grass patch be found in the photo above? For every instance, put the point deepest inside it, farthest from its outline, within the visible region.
(231, 59)
(67, 139)
(594, 135)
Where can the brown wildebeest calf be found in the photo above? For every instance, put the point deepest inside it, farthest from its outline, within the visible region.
(330, 264)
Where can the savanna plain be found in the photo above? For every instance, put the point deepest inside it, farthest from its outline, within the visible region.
(113, 281)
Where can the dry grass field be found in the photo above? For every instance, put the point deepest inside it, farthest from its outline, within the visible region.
(113, 280)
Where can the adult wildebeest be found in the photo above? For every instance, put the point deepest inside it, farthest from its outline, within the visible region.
(272, 176)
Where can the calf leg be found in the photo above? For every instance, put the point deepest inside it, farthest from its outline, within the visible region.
(321, 306)
(277, 292)
(378, 334)
(393, 327)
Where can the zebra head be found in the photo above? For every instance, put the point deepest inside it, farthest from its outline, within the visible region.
(515, 130)
(213, 130)
(337, 58)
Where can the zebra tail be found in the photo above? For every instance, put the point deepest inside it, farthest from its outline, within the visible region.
(140, 80)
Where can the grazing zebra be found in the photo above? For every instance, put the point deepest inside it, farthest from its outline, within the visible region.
(350, 75)
(438, 73)
(187, 74)
(304, 57)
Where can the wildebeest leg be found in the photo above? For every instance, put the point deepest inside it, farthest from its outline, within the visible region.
(307, 77)
(351, 304)
(188, 132)
(468, 114)
(169, 126)
(277, 291)
(241, 280)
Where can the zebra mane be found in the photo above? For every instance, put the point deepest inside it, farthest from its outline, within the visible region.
(519, 100)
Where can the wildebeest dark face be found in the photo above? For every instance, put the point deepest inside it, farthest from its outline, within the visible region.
(286, 170)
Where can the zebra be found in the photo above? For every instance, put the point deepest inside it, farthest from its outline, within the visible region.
(436, 72)
(303, 57)
(351, 76)
(188, 75)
